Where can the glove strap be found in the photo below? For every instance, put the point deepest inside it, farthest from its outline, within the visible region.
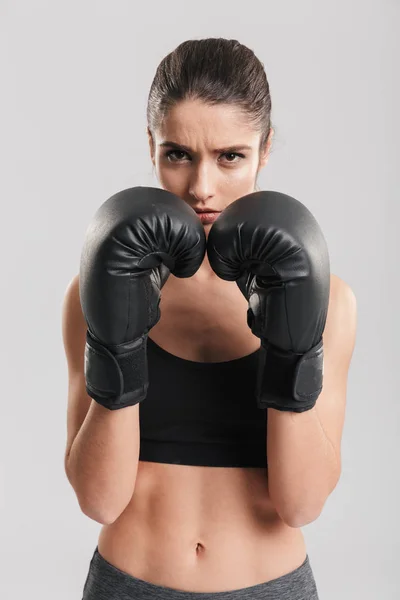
(288, 381)
(119, 378)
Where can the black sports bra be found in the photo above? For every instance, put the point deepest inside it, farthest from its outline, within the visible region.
(202, 414)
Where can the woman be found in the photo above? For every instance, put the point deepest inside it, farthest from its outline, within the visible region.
(201, 494)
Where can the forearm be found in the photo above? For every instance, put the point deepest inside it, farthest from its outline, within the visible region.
(103, 461)
(302, 465)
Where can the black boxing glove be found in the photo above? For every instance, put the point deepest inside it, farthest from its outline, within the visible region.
(272, 246)
(135, 240)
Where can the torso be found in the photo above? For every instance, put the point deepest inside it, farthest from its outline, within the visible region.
(202, 529)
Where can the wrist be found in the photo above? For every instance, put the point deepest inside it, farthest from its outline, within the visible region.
(289, 381)
(117, 377)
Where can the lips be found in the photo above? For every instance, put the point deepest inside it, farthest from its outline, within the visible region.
(207, 217)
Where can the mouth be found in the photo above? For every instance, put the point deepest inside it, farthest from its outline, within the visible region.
(207, 217)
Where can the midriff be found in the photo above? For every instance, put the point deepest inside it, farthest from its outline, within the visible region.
(201, 529)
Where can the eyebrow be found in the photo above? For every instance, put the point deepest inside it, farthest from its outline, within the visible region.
(220, 150)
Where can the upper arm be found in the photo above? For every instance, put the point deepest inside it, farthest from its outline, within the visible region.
(74, 338)
(339, 340)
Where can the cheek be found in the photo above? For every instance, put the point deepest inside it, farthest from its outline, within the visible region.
(242, 177)
(170, 176)
(174, 180)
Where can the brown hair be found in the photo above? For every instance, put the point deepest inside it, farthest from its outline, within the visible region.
(215, 70)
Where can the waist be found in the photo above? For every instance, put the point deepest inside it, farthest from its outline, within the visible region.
(181, 531)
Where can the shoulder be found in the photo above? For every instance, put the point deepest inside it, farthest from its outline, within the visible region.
(71, 308)
(341, 323)
(342, 298)
(73, 325)
(73, 286)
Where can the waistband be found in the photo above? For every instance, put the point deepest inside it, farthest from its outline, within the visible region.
(104, 580)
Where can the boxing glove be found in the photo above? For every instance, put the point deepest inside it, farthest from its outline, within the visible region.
(135, 240)
(273, 247)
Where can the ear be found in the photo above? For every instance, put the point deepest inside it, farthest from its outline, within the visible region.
(151, 146)
(264, 156)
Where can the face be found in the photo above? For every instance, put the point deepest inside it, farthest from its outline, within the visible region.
(207, 155)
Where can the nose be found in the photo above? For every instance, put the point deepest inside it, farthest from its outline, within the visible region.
(201, 185)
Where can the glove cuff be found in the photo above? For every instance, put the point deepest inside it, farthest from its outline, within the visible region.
(119, 378)
(288, 381)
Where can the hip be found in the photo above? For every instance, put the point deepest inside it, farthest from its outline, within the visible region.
(104, 580)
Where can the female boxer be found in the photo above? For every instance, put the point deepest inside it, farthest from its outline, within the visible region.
(208, 347)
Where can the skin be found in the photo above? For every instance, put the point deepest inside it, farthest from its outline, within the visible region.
(203, 529)
(206, 178)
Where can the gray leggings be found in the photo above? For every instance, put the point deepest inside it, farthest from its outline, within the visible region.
(106, 582)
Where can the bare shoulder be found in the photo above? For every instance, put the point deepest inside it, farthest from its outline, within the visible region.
(336, 280)
(341, 322)
(73, 326)
(342, 292)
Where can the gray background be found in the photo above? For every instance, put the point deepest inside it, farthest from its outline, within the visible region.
(75, 78)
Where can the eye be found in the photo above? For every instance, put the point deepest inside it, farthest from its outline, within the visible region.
(177, 156)
(171, 153)
(235, 155)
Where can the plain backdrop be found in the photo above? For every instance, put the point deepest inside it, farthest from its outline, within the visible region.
(74, 83)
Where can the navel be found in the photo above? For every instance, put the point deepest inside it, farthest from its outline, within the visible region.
(199, 548)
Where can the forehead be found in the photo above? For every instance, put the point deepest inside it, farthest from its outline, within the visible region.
(192, 120)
